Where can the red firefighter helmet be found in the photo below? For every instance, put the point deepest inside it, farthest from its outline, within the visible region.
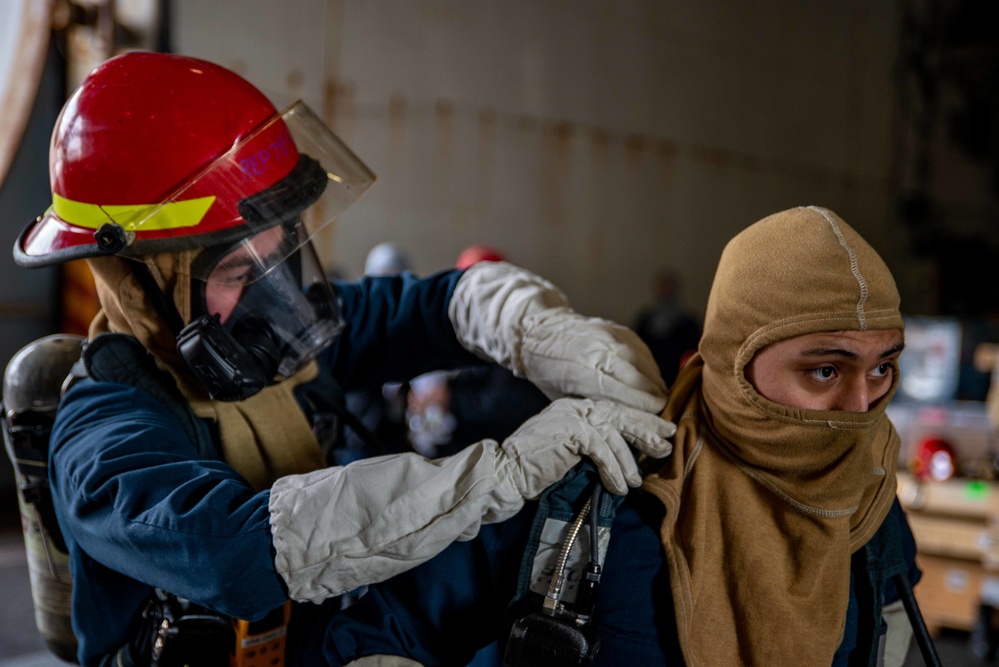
(933, 459)
(474, 254)
(157, 152)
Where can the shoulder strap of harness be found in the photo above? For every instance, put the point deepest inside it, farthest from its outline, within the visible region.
(114, 357)
(885, 560)
(326, 406)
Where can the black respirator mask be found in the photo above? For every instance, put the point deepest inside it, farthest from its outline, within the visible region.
(263, 309)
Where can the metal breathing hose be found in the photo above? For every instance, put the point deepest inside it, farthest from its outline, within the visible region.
(552, 597)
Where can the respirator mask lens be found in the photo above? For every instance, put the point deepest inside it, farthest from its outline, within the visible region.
(271, 294)
(292, 304)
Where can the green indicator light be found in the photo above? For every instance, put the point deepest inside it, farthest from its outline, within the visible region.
(976, 490)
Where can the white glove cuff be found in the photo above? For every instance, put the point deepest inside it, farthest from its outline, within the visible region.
(489, 304)
(336, 529)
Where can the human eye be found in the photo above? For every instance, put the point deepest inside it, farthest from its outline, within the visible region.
(822, 373)
(235, 274)
(883, 370)
(233, 278)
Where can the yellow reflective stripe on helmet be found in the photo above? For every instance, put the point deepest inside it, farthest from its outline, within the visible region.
(147, 217)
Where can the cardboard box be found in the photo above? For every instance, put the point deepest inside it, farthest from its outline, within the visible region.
(949, 592)
(958, 518)
(952, 537)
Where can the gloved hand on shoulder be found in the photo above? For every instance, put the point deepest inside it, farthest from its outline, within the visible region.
(339, 528)
(507, 314)
(545, 447)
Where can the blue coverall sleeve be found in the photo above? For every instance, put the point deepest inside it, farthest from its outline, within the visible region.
(397, 327)
(132, 492)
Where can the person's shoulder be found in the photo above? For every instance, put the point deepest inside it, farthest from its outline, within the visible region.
(92, 398)
(94, 413)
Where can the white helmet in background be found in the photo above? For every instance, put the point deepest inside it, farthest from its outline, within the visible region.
(387, 259)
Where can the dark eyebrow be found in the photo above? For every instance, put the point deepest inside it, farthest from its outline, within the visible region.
(234, 263)
(829, 352)
(894, 349)
(847, 354)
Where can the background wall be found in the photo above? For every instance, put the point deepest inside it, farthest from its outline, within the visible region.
(28, 299)
(594, 142)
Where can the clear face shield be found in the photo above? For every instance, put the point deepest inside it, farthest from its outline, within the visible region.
(262, 306)
(271, 294)
(293, 167)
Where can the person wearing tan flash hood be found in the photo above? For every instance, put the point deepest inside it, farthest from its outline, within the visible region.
(784, 466)
(772, 534)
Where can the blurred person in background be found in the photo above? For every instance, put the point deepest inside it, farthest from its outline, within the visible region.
(387, 259)
(449, 410)
(666, 326)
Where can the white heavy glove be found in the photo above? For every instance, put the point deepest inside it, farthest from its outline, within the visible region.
(524, 323)
(549, 444)
(340, 528)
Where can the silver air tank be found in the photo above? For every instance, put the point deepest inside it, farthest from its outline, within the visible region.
(32, 388)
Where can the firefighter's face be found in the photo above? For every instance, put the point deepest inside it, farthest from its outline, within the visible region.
(838, 370)
(238, 269)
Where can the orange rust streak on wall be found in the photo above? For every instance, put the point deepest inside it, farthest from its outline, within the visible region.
(486, 157)
(443, 158)
(556, 160)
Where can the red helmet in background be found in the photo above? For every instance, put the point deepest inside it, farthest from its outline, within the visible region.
(934, 459)
(158, 152)
(478, 253)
